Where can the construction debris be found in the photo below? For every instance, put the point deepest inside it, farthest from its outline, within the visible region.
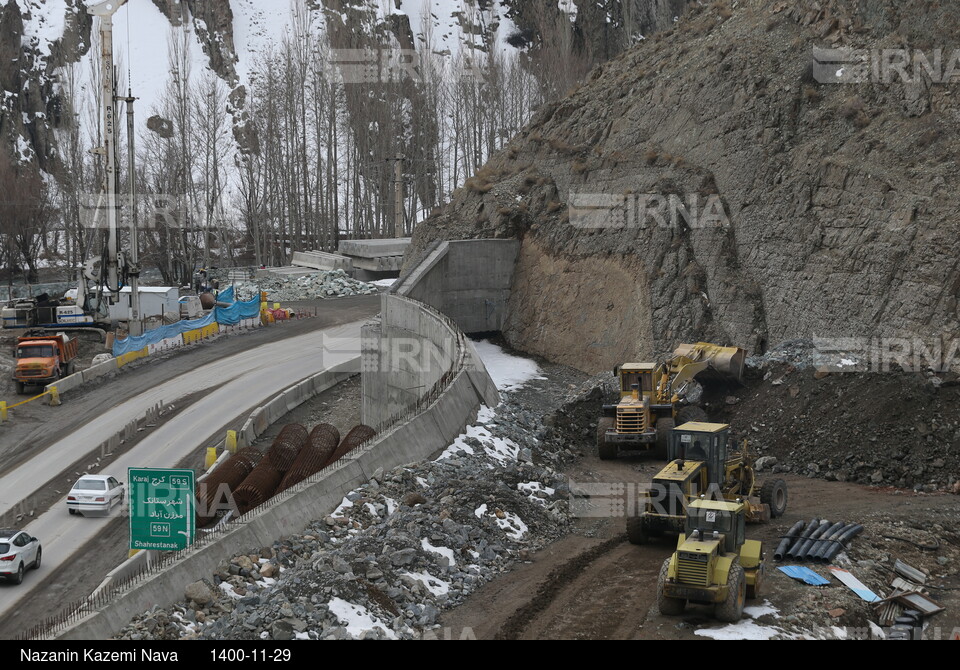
(855, 585)
(805, 575)
(306, 286)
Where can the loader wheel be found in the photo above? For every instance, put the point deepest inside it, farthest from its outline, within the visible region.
(636, 533)
(664, 426)
(731, 609)
(774, 494)
(668, 606)
(691, 413)
(606, 450)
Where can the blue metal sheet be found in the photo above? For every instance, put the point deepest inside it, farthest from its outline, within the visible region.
(855, 585)
(803, 574)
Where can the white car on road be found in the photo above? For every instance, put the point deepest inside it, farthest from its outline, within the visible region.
(19, 552)
(95, 493)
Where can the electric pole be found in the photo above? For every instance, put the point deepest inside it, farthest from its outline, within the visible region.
(398, 195)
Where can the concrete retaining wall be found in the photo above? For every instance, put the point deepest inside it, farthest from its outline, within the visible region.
(468, 280)
(415, 439)
(405, 356)
(101, 370)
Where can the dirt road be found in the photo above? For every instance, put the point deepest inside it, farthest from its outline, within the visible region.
(35, 425)
(593, 584)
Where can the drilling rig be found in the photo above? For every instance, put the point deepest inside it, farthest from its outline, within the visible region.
(115, 267)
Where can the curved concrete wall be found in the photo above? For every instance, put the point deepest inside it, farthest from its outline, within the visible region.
(467, 280)
(437, 415)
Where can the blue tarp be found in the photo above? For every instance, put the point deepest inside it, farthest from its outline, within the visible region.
(238, 311)
(121, 347)
(225, 316)
(226, 296)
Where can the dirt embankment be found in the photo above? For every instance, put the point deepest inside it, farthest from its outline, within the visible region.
(898, 429)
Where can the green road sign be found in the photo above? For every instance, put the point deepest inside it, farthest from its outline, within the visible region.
(161, 508)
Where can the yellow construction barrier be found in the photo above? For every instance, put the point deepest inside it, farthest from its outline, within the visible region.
(231, 441)
(54, 396)
(132, 356)
(211, 458)
(5, 408)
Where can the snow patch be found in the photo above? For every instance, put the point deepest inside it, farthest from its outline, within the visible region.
(446, 552)
(743, 630)
(437, 587)
(757, 611)
(357, 619)
(507, 371)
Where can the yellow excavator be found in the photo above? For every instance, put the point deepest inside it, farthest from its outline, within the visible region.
(655, 397)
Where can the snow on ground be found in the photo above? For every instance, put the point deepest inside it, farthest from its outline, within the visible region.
(441, 551)
(386, 283)
(357, 620)
(531, 489)
(45, 25)
(508, 372)
(437, 587)
(338, 513)
(747, 629)
(743, 630)
(513, 525)
(757, 611)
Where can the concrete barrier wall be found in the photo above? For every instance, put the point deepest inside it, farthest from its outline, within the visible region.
(405, 357)
(97, 371)
(305, 501)
(414, 439)
(468, 280)
(67, 383)
(264, 416)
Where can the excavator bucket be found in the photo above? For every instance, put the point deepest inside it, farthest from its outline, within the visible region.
(722, 363)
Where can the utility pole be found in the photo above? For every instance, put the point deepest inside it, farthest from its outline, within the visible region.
(398, 195)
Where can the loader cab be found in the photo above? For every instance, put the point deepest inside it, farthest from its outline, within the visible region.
(725, 518)
(639, 374)
(702, 442)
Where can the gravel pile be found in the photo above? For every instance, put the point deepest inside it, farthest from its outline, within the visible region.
(333, 284)
(398, 550)
(894, 429)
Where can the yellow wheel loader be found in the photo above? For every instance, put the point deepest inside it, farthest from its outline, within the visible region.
(655, 397)
(714, 563)
(702, 463)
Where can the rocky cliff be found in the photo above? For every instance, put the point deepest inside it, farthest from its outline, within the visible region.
(832, 205)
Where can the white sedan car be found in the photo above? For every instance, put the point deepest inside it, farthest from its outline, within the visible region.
(94, 493)
(19, 552)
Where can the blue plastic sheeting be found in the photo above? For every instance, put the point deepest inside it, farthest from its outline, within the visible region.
(226, 296)
(226, 316)
(237, 312)
(803, 574)
(121, 347)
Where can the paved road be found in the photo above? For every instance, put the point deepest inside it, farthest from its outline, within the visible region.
(237, 384)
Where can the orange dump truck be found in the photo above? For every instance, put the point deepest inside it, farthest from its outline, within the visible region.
(43, 360)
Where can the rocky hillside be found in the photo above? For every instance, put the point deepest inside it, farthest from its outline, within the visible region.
(833, 210)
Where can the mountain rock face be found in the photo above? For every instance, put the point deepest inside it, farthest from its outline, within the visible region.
(30, 108)
(825, 209)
